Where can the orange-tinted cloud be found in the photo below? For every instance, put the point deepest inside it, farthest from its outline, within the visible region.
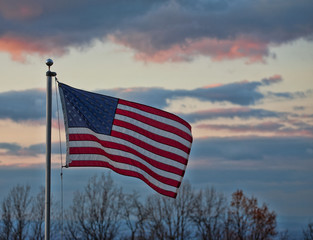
(19, 47)
(219, 50)
(273, 79)
(157, 31)
(214, 85)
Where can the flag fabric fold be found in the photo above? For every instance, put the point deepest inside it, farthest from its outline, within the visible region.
(130, 138)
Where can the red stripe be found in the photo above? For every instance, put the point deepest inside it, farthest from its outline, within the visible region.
(152, 136)
(123, 172)
(114, 145)
(120, 159)
(149, 147)
(155, 123)
(155, 111)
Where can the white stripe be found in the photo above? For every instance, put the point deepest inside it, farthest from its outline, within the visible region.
(153, 129)
(150, 141)
(128, 144)
(96, 157)
(125, 154)
(65, 121)
(155, 117)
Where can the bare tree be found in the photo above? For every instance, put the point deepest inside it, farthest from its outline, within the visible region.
(98, 211)
(308, 232)
(7, 222)
(155, 221)
(95, 212)
(208, 214)
(170, 218)
(248, 221)
(16, 213)
(135, 215)
(38, 216)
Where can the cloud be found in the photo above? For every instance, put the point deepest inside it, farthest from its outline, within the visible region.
(216, 152)
(20, 10)
(289, 95)
(14, 149)
(273, 128)
(241, 93)
(19, 46)
(158, 31)
(217, 49)
(182, 30)
(253, 148)
(241, 112)
(273, 79)
(299, 108)
(262, 127)
(29, 105)
(23, 105)
(10, 148)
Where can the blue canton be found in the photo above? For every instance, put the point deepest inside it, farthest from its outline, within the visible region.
(90, 110)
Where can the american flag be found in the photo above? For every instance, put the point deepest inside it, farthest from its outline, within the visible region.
(130, 138)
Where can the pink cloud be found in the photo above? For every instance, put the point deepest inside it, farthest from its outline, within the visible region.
(172, 31)
(276, 77)
(219, 50)
(273, 79)
(214, 85)
(19, 47)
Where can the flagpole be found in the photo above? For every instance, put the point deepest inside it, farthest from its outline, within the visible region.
(49, 75)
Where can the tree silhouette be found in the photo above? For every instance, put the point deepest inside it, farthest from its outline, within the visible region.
(135, 215)
(308, 232)
(16, 213)
(95, 213)
(101, 211)
(38, 216)
(170, 218)
(208, 214)
(246, 220)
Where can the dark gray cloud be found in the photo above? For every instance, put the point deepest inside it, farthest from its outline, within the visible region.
(184, 28)
(14, 149)
(241, 93)
(30, 105)
(253, 148)
(227, 148)
(272, 22)
(26, 105)
(290, 95)
(243, 113)
(299, 108)
(276, 128)
(10, 148)
(261, 127)
(251, 25)
(23, 105)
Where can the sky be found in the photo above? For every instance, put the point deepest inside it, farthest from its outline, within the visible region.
(239, 71)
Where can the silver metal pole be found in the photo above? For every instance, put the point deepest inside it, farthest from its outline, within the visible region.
(49, 75)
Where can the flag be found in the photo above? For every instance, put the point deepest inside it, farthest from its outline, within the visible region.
(130, 138)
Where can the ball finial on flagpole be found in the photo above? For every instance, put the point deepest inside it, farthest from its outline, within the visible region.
(49, 62)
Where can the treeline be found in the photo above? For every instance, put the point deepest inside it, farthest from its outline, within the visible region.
(103, 211)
